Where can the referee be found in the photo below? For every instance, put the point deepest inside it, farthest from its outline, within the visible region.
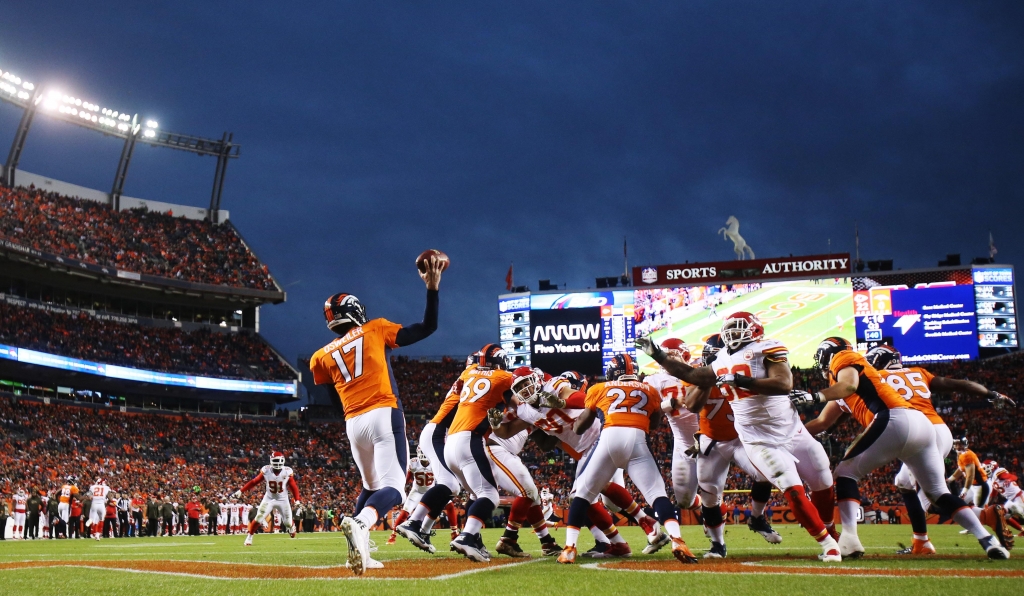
(123, 505)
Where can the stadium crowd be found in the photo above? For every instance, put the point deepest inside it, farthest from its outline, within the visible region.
(134, 240)
(173, 457)
(202, 352)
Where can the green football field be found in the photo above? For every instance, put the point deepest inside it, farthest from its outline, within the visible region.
(313, 564)
(799, 314)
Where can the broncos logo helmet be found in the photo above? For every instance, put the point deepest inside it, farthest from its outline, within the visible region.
(884, 357)
(576, 380)
(711, 349)
(344, 309)
(621, 368)
(827, 349)
(492, 356)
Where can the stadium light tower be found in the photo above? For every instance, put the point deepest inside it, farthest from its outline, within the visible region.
(53, 103)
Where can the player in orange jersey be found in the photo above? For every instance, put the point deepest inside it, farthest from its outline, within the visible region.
(970, 470)
(629, 409)
(893, 430)
(67, 491)
(916, 385)
(356, 364)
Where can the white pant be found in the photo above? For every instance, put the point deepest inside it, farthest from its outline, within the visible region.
(412, 501)
(466, 457)
(800, 460)
(713, 467)
(233, 518)
(97, 511)
(432, 441)
(63, 511)
(380, 456)
(626, 448)
(1016, 506)
(19, 520)
(281, 506)
(511, 473)
(684, 476)
(902, 434)
(905, 478)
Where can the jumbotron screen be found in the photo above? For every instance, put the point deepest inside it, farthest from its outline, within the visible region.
(930, 316)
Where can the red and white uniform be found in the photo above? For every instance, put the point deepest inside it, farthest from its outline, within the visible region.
(275, 499)
(768, 426)
(1006, 483)
(98, 509)
(234, 515)
(508, 469)
(422, 478)
(19, 502)
(684, 424)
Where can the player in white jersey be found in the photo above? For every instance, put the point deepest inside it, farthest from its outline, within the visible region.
(98, 509)
(684, 425)
(420, 475)
(233, 510)
(547, 505)
(280, 481)
(1004, 489)
(20, 501)
(753, 373)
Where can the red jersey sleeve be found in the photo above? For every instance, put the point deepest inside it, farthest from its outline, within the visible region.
(293, 487)
(253, 483)
(576, 401)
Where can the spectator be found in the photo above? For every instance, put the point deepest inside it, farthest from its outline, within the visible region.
(193, 509)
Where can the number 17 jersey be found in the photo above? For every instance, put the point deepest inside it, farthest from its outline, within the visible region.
(357, 365)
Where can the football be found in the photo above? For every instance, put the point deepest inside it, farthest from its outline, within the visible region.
(421, 261)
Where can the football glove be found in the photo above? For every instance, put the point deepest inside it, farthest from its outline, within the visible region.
(802, 399)
(495, 417)
(647, 346)
(694, 450)
(237, 495)
(998, 400)
(726, 379)
(549, 400)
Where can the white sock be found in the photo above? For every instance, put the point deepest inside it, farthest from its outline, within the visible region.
(970, 522)
(598, 534)
(672, 527)
(368, 516)
(848, 516)
(717, 533)
(572, 535)
(473, 525)
(419, 513)
(616, 538)
(542, 532)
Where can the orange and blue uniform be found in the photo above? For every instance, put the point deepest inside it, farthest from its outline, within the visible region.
(358, 366)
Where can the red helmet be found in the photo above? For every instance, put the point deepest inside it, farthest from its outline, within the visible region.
(741, 328)
(674, 344)
(526, 384)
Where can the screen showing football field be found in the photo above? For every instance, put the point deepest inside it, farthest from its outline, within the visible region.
(798, 313)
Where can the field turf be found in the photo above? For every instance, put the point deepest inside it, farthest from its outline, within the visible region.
(313, 564)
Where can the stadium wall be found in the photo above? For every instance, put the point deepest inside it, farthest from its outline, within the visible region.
(25, 179)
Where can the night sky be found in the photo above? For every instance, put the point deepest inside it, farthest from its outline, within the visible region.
(543, 133)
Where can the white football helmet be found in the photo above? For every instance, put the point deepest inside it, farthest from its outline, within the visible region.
(526, 384)
(990, 466)
(545, 493)
(276, 461)
(424, 460)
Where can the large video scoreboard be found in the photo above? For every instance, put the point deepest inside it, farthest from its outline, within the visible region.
(931, 315)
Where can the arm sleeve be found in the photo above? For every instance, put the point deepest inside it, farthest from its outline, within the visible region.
(253, 483)
(576, 401)
(419, 331)
(293, 488)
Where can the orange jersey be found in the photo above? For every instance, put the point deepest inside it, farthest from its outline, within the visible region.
(855, 406)
(967, 458)
(626, 403)
(67, 491)
(716, 418)
(482, 389)
(871, 389)
(913, 384)
(450, 401)
(358, 366)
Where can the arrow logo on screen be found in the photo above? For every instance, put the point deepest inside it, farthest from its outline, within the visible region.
(905, 322)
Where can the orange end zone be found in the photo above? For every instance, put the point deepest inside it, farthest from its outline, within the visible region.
(753, 567)
(396, 569)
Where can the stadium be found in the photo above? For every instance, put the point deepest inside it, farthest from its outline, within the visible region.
(143, 412)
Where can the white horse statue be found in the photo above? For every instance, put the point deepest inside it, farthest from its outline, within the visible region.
(731, 231)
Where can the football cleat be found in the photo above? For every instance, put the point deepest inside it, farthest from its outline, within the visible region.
(717, 551)
(358, 538)
(391, 538)
(374, 564)
(922, 547)
(292, 534)
(568, 556)
(597, 551)
(616, 550)
(849, 546)
(682, 552)
(550, 549)
(762, 526)
(831, 551)
(649, 525)
(993, 549)
(511, 548)
(471, 547)
(410, 530)
(655, 544)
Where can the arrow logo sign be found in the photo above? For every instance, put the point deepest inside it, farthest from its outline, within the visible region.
(906, 322)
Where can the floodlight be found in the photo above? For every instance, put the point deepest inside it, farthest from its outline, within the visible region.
(150, 133)
(152, 124)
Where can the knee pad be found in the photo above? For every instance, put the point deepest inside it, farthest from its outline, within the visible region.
(712, 516)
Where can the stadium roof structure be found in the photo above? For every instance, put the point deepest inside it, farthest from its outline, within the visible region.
(56, 103)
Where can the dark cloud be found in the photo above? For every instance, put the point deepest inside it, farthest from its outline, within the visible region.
(543, 134)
